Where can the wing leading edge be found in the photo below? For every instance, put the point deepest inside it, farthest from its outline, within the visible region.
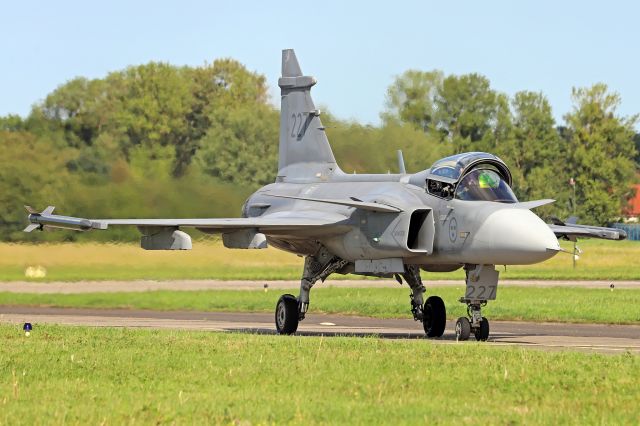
(571, 232)
(274, 223)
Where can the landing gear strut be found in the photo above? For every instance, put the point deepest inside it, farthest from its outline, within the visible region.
(482, 284)
(431, 313)
(291, 310)
(413, 279)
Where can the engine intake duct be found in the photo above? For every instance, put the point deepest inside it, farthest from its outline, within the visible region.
(421, 231)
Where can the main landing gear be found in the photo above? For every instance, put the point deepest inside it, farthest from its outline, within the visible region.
(291, 310)
(431, 313)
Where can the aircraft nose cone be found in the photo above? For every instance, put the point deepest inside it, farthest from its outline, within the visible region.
(517, 237)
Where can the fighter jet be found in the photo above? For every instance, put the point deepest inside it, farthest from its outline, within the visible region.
(459, 213)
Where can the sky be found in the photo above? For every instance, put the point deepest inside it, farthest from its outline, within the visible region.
(355, 49)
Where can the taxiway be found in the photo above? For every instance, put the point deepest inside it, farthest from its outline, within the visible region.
(548, 336)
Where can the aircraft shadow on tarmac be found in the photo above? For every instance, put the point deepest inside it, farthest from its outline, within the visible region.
(382, 335)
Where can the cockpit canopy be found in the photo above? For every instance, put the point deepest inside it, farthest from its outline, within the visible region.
(453, 167)
(484, 184)
(471, 176)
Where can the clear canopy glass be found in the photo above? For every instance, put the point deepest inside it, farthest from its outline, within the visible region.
(484, 185)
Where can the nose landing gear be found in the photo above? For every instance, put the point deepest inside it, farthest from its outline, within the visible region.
(481, 286)
(476, 323)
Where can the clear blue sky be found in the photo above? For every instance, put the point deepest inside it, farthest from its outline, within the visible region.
(353, 48)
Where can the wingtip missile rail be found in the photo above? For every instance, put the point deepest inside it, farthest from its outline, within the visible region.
(46, 219)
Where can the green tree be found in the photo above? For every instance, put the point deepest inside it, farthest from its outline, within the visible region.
(462, 110)
(241, 146)
(473, 116)
(600, 153)
(32, 172)
(534, 145)
(235, 130)
(350, 139)
(146, 108)
(12, 123)
(412, 98)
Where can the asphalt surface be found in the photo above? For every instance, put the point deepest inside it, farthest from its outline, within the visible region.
(608, 339)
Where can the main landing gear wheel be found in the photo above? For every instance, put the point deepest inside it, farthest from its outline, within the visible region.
(287, 314)
(482, 332)
(463, 328)
(435, 317)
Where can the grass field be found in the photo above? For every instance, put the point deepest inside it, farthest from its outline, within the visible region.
(604, 260)
(75, 375)
(560, 304)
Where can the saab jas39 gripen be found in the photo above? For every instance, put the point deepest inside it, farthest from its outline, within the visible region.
(459, 213)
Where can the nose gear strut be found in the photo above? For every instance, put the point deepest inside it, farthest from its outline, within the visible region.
(481, 286)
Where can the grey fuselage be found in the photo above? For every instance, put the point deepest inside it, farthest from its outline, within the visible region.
(464, 232)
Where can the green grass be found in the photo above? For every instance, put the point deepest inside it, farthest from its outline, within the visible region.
(77, 375)
(94, 261)
(603, 260)
(561, 304)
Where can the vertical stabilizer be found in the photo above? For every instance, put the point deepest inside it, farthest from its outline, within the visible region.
(304, 153)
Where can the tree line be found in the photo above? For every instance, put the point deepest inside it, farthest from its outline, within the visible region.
(159, 140)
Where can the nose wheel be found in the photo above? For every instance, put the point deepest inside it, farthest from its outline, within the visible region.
(482, 331)
(463, 328)
(475, 323)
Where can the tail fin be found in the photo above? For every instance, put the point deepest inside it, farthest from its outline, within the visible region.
(33, 212)
(305, 154)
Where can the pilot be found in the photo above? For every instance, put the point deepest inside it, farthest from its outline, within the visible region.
(484, 184)
(488, 179)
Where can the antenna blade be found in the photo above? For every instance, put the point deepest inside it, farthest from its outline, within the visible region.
(401, 168)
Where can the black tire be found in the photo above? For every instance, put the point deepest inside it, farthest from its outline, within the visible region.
(482, 332)
(435, 317)
(463, 329)
(287, 314)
